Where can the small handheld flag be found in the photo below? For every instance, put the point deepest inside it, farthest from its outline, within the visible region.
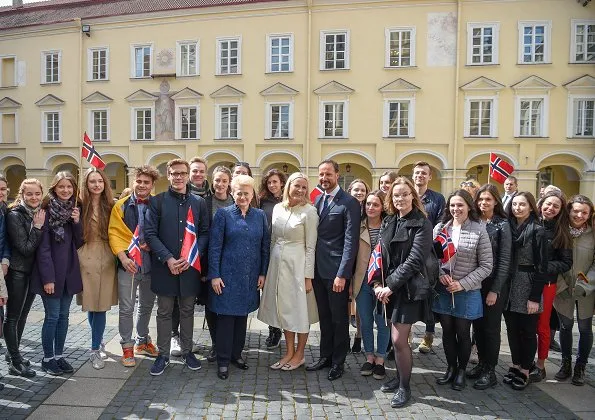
(190, 243)
(91, 154)
(315, 193)
(375, 263)
(499, 168)
(134, 251)
(448, 248)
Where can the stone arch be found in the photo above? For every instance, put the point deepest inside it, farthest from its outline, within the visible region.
(567, 158)
(435, 159)
(159, 160)
(13, 168)
(270, 155)
(56, 159)
(563, 169)
(353, 164)
(357, 156)
(473, 158)
(119, 157)
(215, 152)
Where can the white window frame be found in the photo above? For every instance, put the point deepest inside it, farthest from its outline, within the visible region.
(410, 118)
(218, 68)
(269, 40)
(493, 116)
(16, 126)
(269, 120)
(133, 48)
(91, 125)
(412, 37)
(44, 126)
(133, 122)
(14, 76)
(44, 54)
(218, 134)
(574, 24)
(544, 128)
(495, 27)
(178, 121)
(321, 116)
(547, 47)
(323, 35)
(572, 117)
(90, 52)
(179, 45)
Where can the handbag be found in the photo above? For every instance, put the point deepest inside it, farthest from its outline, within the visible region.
(583, 287)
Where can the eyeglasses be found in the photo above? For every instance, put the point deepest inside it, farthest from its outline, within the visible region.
(397, 196)
(467, 184)
(178, 174)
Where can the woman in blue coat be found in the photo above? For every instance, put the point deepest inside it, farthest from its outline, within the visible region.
(239, 247)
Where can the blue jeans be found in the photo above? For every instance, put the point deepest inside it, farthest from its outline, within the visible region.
(97, 323)
(55, 324)
(367, 312)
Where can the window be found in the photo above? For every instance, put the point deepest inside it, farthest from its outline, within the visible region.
(398, 117)
(531, 117)
(228, 55)
(97, 64)
(279, 121)
(50, 66)
(187, 128)
(51, 127)
(188, 58)
(143, 124)
(334, 50)
(228, 126)
(8, 128)
(334, 119)
(8, 71)
(400, 47)
(482, 43)
(582, 41)
(583, 117)
(480, 117)
(142, 61)
(534, 42)
(280, 57)
(100, 124)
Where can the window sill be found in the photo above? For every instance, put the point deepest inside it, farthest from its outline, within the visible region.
(184, 76)
(97, 80)
(535, 64)
(16, 143)
(481, 64)
(180, 139)
(398, 138)
(228, 74)
(531, 137)
(278, 72)
(141, 140)
(50, 83)
(582, 62)
(8, 87)
(345, 69)
(279, 138)
(51, 143)
(333, 138)
(400, 67)
(581, 138)
(480, 137)
(140, 78)
(228, 139)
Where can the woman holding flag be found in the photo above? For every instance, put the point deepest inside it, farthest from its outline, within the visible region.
(402, 281)
(467, 261)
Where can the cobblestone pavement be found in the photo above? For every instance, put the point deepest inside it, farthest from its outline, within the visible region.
(263, 393)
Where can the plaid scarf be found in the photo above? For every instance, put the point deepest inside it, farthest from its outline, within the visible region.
(60, 213)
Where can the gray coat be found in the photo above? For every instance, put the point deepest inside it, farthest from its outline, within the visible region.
(473, 261)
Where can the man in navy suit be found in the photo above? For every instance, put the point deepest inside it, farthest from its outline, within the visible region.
(336, 251)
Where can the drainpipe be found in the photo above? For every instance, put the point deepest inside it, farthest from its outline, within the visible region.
(456, 104)
(308, 93)
(80, 97)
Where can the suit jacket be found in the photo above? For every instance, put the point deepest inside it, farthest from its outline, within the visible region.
(508, 204)
(338, 236)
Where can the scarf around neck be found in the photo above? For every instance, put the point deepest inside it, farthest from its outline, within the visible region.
(60, 213)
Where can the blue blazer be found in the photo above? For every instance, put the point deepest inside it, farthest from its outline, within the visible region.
(338, 236)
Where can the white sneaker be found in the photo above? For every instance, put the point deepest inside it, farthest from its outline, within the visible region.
(102, 353)
(175, 349)
(195, 347)
(96, 360)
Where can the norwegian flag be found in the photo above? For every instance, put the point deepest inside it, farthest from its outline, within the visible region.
(315, 193)
(190, 243)
(448, 248)
(134, 251)
(499, 168)
(91, 154)
(375, 263)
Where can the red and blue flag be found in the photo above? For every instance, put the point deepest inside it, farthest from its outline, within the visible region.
(190, 243)
(375, 264)
(134, 251)
(91, 154)
(448, 247)
(315, 193)
(499, 168)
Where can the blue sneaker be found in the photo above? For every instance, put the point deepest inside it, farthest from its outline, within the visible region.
(159, 366)
(191, 361)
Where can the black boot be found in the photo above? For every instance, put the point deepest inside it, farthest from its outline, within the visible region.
(274, 338)
(476, 371)
(565, 370)
(554, 345)
(459, 383)
(357, 345)
(579, 375)
(448, 376)
(487, 379)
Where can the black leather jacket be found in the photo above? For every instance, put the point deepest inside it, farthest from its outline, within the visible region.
(501, 239)
(23, 238)
(558, 260)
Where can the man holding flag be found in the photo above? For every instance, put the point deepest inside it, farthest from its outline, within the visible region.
(177, 231)
(134, 265)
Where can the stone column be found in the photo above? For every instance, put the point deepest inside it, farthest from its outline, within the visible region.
(587, 184)
(43, 175)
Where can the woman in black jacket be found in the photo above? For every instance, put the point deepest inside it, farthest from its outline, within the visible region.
(407, 266)
(494, 289)
(24, 224)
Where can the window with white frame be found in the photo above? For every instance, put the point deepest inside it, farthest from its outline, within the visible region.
(188, 58)
(482, 43)
(228, 124)
(99, 120)
(531, 113)
(51, 126)
(143, 124)
(187, 118)
(279, 121)
(280, 57)
(97, 64)
(400, 47)
(582, 48)
(334, 119)
(229, 52)
(142, 60)
(534, 42)
(334, 50)
(8, 128)
(583, 117)
(50, 66)
(398, 117)
(480, 117)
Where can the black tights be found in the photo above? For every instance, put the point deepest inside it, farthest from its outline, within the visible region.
(456, 339)
(403, 356)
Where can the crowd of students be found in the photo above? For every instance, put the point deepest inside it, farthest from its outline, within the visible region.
(464, 261)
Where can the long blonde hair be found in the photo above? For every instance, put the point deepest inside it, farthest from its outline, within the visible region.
(293, 177)
(106, 202)
(19, 198)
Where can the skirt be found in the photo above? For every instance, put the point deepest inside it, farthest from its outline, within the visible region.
(467, 304)
(407, 311)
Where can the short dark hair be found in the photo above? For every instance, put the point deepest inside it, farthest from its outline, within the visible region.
(513, 178)
(423, 163)
(331, 162)
(147, 170)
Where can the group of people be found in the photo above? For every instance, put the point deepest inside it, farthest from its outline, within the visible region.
(402, 252)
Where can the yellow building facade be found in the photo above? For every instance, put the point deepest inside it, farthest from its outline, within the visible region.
(374, 85)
